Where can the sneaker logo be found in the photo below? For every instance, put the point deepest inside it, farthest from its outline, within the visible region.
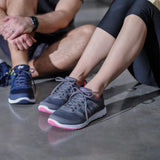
(20, 67)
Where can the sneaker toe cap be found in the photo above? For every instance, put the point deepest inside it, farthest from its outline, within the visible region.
(67, 118)
(53, 103)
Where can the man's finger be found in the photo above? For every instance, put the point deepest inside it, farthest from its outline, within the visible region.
(34, 40)
(25, 46)
(20, 46)
(4, 27)
(7, 35)
(13, 44)
(29, 42)
(6, 19)
(15, 34)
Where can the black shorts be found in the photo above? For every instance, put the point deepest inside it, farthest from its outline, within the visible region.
(146, 67)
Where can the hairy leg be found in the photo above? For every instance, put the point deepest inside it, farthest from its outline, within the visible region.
(21, 8)
(125, 49)
(62, 55)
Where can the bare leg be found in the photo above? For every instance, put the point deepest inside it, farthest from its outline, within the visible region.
(21, 8)
(63, 55)
(96, 50)
(125, 49)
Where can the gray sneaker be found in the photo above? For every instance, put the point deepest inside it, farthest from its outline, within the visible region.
(59, 95)
(79, 111)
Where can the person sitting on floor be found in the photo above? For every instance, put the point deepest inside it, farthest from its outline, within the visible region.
(127, 37)
(40, 35)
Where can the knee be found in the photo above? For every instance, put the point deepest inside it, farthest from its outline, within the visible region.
(83, 32)
(134, 19)
(86, 30)
(131, 18)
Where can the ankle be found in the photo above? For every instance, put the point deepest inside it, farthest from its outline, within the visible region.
(78, 82)
(20, 64)
(80, 77)
(97, 93)
(32, 66)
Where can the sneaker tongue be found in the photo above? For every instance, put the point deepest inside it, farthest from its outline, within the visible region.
(21, 67)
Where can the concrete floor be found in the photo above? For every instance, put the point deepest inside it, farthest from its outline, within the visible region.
(130, 131)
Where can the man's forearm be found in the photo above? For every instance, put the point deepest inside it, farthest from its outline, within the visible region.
(51, 22)
(60, 18)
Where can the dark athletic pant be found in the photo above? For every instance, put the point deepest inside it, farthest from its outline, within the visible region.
(146, 67)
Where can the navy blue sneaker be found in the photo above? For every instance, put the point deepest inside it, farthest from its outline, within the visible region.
(59, 95)
(21, 91)
(4, 74)
(79, 111)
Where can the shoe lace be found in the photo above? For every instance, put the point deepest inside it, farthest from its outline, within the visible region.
(23, 77)
(79, 100)
(63, 89)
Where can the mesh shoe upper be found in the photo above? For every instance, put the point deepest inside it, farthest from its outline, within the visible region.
(21, 83)
(79, 108)
(60, 93)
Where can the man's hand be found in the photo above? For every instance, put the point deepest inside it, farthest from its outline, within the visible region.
(15, 26)
(22, 42)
